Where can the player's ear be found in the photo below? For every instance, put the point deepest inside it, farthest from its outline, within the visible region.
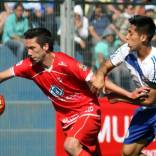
(143, 37)
(46, 47)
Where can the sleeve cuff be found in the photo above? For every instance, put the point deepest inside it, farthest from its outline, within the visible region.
(89, 76)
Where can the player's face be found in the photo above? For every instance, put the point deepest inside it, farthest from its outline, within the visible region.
(19, 12)
(133, 38)
(35, 51)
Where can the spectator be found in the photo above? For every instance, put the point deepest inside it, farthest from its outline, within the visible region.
(121, 36)
(81, 33)
(27, 14)
(48, 19)
(150, 11)
(121, 22)
(3, 16)
(37, 10)
(100, 55)
(14, 28)
(103, 50)
(110, 40)
(9, 5)
(97, 24)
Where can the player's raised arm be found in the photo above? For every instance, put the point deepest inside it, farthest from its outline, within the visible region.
(115, 60)
(6, 74)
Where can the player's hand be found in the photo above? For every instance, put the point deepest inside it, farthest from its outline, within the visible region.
(97, 83)
(140, 93)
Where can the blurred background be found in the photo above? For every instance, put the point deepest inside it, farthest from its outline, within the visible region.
(89, 30)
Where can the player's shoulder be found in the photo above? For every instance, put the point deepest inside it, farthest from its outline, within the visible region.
(59, 53)
(153, 52)
(61, 60)
(123, 50)
(23, 67)
(60, 56)
(124, 46)
(152, 56)
(25, 61)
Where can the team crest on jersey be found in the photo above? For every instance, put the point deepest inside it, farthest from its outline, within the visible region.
(83, 67)
(56, 91)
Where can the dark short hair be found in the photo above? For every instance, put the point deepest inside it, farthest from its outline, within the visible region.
(42, 36)
(19, 4)
(144, 24)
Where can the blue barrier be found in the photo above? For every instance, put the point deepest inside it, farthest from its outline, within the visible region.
(27, 126)
(27, 129)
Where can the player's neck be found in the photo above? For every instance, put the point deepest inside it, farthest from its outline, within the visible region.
(144, 51)
(48, 60)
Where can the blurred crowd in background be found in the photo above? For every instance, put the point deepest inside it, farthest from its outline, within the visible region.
(17, 17)
(99, 28)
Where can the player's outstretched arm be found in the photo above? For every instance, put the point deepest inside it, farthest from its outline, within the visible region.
(6, 74)
(140, 96)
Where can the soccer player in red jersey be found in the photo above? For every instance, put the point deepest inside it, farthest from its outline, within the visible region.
(65, 82)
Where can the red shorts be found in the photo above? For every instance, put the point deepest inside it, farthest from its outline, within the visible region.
(86, 129)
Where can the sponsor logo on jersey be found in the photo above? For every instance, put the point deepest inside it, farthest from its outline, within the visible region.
(56, 91)
(59, 79)
(62, 64)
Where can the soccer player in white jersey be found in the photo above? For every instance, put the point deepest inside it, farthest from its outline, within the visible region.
(140, 58)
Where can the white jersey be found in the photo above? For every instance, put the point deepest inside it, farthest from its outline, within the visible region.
(137, 68)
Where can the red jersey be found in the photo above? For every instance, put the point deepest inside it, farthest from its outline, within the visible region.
(63, 83)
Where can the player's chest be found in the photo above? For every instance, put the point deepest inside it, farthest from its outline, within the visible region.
(55, 83)
(148, 67)
(56, 78)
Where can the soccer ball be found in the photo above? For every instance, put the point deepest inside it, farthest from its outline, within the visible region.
(2, 104)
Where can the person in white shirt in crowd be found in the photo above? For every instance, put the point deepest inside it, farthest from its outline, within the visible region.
(81, 32)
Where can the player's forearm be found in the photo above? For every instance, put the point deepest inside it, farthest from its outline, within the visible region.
(139, 96)
(98, 79)
(114, 98)
(5, 75)
(105, 67)
(117, 89)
